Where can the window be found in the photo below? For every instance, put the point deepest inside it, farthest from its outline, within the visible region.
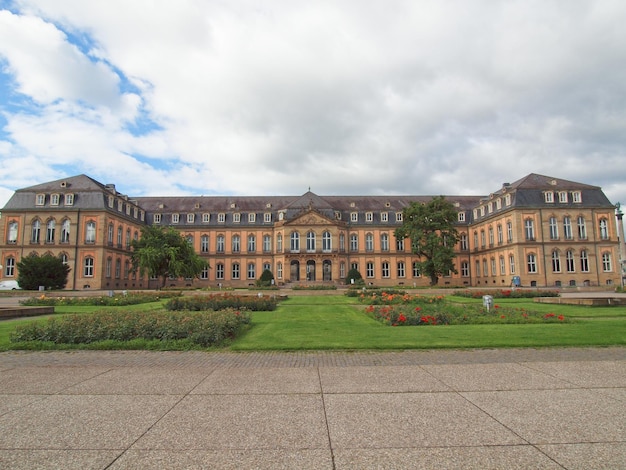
(498, 204)
(465, 269)
(205, 273)
(127, 238)
(401, 269)
(582, 228)
(556, 262)
(12, 232)
(88, 266)
(221, 218)
(562, 196)
(491, 239)
(235, 271)
(607, 265)
(295, 242)
(384, 217)
(267, 217)
(310, 241)
(398, 216)
(204, 244)
(485, 271)
(369, 217)
(9, 266)
(40, 199)
(576, 197)
(369, 242)
(569, 261)
(509, 232)
(50, 228)
(463, 242)
(493, 266)
(507, 200)
(110, 231)
(529, 229)
(54, 200)
(108, 267)
(219, 271)
(267, 243)
(36, 231)
(251, 271)
(118, 268)
(475, 239)
(500, 234)
(502, 266)
(567, 228)
(584, 261)
(554, 229)
(384, 242)
(220, 244)
(400, 244)
(490, 207)
(236, 244)
(477, 268)
(126, 269)
(64, 258)
(120, 205)
(279, 270)
(206, 218)
(512, 264)
(354, 242)
(354, 217)
(385, 268)
(279, 243)
(461, 217)
(548, 196)
(175, 218)
(369, 269)
(531, 260)
(157, 218)
(191, 218)
(416, 269)
(120, 234)
(604, 229)
(65, 231)
(342, 242)
(251, 243)
(483, 241)
(236, 217)
(326, 242)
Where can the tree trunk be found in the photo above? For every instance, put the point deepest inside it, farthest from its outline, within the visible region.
(434, 280)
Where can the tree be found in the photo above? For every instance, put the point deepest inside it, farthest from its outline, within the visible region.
(266, 279)
(47, 271)
(431, 229)
(164, 252)
(354, 277)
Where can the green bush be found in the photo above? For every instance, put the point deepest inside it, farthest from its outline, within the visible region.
(266, 279)
(223, 301)
(201, 328)
(354, 277)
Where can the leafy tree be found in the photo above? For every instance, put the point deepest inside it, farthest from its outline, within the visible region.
(164, 252)
(431, 229)
(354, 275)
(47, 271)
(266, 279)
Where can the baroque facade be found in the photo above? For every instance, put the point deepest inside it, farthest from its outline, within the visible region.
(538, 231)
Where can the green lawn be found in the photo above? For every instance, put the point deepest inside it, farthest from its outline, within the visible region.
(335, 322)
(338, 322)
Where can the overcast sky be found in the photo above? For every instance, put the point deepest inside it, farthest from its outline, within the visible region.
(347, 97)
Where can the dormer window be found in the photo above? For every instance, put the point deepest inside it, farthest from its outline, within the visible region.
(384, 216)
(461, 217)
(175, 218)
(191, 218)
(576, 197)
(398, 216)
(206, 218)
(507, 200)
(69, 199)
(236, 217)
(157, 218)
(221, 218)
(251, 218)
(40, 199)
(548, 197)
(563, 196)
(354, 217)
(54, 200)
(369, 217)
(111, 201)
(267, 217)
(120, 205)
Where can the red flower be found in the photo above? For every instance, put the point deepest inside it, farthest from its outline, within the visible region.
(561, 317)
(417, 309)
(502, 316)
(401, 318)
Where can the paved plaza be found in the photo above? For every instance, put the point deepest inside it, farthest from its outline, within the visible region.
(500, 409)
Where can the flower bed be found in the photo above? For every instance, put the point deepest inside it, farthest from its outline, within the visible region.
(219, 302)
(506, 293)
(200, 328)
(106, 301)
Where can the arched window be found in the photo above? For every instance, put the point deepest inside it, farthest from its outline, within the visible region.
(36, 231)
(110, 231)
(604, 229)
(236, 244)
(12, 238)
(326, 241)
(369, 242)
(556, 262)
(50, 228)
(90, 233)
(384, 242)
(310, 241)
(251, 243)
(65, 231)
(204, 244)
(279, 243)
(88, 266)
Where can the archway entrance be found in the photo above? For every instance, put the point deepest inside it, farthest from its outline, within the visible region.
(327, 270)
(294, 273)
(310, 270)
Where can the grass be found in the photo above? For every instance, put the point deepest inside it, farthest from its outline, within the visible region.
(337, 322)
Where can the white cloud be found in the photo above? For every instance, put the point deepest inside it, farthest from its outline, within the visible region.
(413, 97)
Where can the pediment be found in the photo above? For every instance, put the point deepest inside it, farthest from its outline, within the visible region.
(311, 218)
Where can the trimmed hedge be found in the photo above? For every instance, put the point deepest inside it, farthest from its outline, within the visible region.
(220, 301)
(105, 301)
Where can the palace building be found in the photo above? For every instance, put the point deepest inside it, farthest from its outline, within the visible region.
(538, 231)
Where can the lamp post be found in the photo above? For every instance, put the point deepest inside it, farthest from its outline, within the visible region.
(620, 239)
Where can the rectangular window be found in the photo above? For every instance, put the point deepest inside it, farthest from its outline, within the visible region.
(206, 218)
(251, 218)
(54, 200)
(401, 269)
(569, 261)
(562, 196)
(221, 218)
(398, 216)
(567, 228)
(385, 269)
(554, 229)
(9, 267)
(529, 227)
(576, 197)
(219, 271)
(157, 218)
(607, 265)
(369, 269)
(461, 217)
(354, 217)
(204, 244)
(235, 272)
(384, 217)
(548, 196)
(584, 261)
(40, 199)
(251, 271)
(582, 228)
(267, 243)
(175, 218)
(532, 263)
(205, 273)
(369, 217)
(88, 267)
(416, 269)
(236, 217)
(191, 218)
(512, 264)
(267, 217)
(465, 269)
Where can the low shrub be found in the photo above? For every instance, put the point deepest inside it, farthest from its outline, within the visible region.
(315, 287)
(118, 299)
(209, 328)
(506, 293)
(222, 301)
